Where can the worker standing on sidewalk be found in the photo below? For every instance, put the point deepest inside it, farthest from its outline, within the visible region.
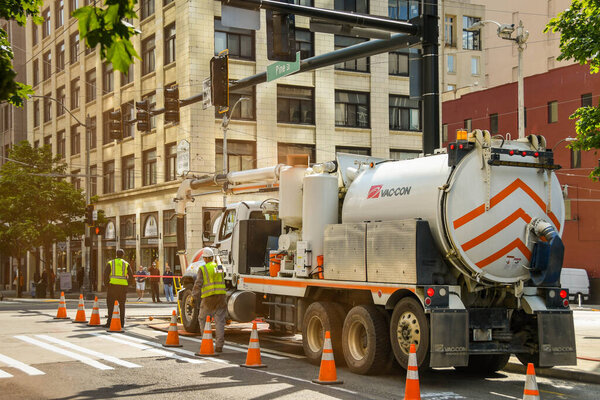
(210, 288)
(117, 277)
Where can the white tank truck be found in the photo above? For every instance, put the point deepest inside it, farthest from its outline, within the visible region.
(458, 253)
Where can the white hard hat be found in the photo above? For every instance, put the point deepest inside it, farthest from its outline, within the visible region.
(207, 252)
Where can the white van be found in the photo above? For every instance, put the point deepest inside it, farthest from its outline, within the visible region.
(577, 281)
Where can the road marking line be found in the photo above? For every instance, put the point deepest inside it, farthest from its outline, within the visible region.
(5, 374)
(102, 356)
(11, 362)
(505, 396)
(67, 353)
(305, 381)
(163, 353)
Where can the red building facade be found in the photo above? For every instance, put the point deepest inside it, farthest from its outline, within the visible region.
(550, 99)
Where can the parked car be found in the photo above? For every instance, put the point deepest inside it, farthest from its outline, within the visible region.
(577, 281)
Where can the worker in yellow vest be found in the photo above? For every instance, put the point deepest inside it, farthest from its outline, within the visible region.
(209, 288)
(117, 277)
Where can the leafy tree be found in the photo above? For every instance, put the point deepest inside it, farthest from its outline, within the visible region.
(579, 28)
(37, 205)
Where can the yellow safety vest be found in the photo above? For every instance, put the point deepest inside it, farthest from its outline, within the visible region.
(213, 282)
(118, 272)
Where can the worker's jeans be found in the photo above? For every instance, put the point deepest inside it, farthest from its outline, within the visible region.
(219, 314)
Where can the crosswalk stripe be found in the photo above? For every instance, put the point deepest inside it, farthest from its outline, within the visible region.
(140, 346)
(5, 374)
(94, 353)
(11, 362)
(67, 353)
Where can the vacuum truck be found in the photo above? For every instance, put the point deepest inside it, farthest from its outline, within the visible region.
(458, 253)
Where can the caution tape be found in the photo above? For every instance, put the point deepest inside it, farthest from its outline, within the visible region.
(157, 276)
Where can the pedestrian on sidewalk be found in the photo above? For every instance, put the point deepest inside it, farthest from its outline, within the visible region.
(168, 284)
(80, 278)
(117, 277)
(154, 281)
(140, 282)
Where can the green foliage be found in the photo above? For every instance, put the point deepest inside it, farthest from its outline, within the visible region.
(106, 27)
(19, 10)
(579, 28)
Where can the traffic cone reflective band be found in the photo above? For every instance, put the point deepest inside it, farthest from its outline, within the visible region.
(95, 317)
(173, 334)
(327, 372)
(115, 322)
(62, 308)
(80, 317)
(531, 391)
(207, 347)
(253, 358)
(412, 391)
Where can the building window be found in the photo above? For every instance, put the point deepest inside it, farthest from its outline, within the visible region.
(552, 112)
(147, 8)
(128, 77)
(450, 87)
(305, 43)
(128, 168)
(59, 13)
(108, 78)
(152, 103)
(244, 110)
(468, 124)
(352, 109)
(46, 27)
(165, 2)
(444, 133)
(75, 179)
(405, 114)
(170, 34)
(399, 63)
(240, 42)
(451, 63)
(61, 144)
(474, 65)
(93, 134)
(106, 127)
(241, 155)
(357, 6)
(148, 47)
(90, 85)
(575, 158)
(285, 149)
(75, 140)
(36, 113)
(34, 34)
(493, 123)
(61, 96)
(108, 176)
(47, 107)
(36, 144)
(295, 105)
(450, 30)
(48, 141)
(74, 48)
(360, 64)
(403, 9)
(127, 114)
(471, 39)
(586, 100)
(47, 63)
(400, 155)
(60, 57)
(93, 180)
(361, 151)
(36, 72)
(75, 92)
(170, 162)
(74, 5)
(149, 166)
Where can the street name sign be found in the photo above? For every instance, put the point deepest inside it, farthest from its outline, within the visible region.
(282, 68)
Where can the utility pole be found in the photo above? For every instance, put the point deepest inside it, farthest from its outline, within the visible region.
(225, 126)
(88, 252)
(521, 38)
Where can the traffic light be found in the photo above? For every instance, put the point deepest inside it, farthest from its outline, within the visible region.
(89, 214)
(281, 35)
(172, 104)
(142, 115)
(219, 78)
(98, 230)
(115, 125)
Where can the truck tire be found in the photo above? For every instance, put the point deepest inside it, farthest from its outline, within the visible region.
(409, 325)
(189, 312)
(365, 340)
(322, 316)
(485, 364)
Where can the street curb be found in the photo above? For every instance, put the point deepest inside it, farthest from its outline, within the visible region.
(579, 376)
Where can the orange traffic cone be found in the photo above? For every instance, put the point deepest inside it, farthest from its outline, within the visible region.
(412, 391)
(80, 317)
(115, 322)
(253, 357)
(62, 308)
(173, 334)
(531, 391)
(95, 318)
(206, 347)
(327, 372)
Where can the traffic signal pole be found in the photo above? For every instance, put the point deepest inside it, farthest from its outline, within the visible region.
(88, 250)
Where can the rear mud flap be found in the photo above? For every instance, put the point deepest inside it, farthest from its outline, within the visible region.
(556, 335)
(449, 338)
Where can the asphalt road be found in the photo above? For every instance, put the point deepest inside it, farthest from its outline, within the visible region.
(41, 358)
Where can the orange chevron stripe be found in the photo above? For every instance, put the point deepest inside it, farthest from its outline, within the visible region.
(497, 228)
(504, 193)
(515, 243)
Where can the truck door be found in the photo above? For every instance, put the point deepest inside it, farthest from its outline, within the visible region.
(226, 239)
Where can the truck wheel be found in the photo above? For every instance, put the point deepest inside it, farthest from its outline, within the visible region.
(189, 312)
(322, 316)
(485, 364)
(408, 326)
(365, 340)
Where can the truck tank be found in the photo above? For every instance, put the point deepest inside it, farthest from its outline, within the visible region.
(479, 223)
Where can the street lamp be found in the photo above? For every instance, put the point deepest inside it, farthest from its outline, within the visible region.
(567, 139)
(505, 32)
(225, 126)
